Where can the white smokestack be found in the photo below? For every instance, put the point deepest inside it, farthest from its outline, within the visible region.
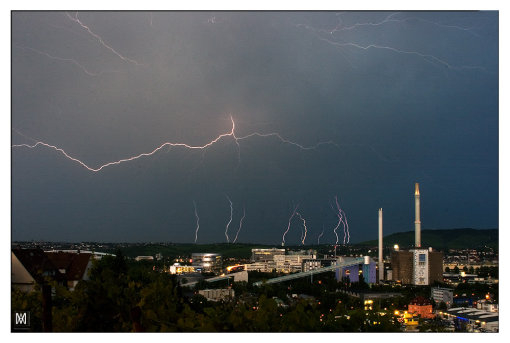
(381, 263)
(417, 222)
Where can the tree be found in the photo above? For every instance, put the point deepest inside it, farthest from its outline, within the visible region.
(442, 306)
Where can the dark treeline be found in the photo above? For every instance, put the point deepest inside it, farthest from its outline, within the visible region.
(123, 296)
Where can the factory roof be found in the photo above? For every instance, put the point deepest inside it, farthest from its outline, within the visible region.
(474, 314)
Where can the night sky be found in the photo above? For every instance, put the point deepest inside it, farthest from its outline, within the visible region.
(365, 104)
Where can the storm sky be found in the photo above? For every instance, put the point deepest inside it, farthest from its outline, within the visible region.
(395, 98)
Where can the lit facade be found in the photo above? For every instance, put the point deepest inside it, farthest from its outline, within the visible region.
(422, 307)
(206, 262)
(262, 255)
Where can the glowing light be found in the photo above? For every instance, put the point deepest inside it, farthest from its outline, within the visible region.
(230, 221)
(231, 133)
(198, 221)
(288, 226)
(240, 224)
(101, 41)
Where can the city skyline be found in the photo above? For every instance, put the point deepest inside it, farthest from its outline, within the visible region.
(288, 109)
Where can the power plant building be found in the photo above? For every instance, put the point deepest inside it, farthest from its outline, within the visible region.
(417, 266)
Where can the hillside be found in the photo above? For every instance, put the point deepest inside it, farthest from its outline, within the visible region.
(443, 239)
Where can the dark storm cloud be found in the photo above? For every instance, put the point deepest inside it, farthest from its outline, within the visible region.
(407, 97)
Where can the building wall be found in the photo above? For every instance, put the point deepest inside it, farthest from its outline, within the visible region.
(209, 262)
(290, 263)
(369, 272)
(352, 273)
(217, 294)
(261, 255)
(424, 311)
(442, 294)
(435, 266)
(264, 267)
(420, 267)
(402, 266)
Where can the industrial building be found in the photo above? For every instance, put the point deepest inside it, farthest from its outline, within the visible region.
(472, 319)
(352, 273)
(417, 266)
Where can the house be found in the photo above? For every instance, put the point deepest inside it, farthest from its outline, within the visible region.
(35, 266)
(74, 266)
(30, 267)
(421, 306)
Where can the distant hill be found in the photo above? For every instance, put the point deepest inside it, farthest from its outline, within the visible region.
(443, 239)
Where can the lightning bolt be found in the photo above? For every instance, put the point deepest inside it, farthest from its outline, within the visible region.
(320, 235)
(240, 224)
(427, 57)
(76, 63)
(346, 225)
(303, 236)
(230, 221)
(390, 19)
(342, 219)
(288, 226)
(336, 228)
(231, 133)
(198, 221)
(100, 40)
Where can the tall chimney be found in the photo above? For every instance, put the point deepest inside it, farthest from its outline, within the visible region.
(417, 222)
(381, 262)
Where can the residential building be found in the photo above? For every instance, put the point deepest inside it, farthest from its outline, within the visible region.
(74, 266)
(440, 294)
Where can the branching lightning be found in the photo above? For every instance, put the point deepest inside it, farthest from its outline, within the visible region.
(240, 225)
(389, 19)
(76, 19)
(231, 133)
(427, 57)
(76, 63)
(288, 226)
(303, 236)
(198, 221)
(342, 219)
(230, 221)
